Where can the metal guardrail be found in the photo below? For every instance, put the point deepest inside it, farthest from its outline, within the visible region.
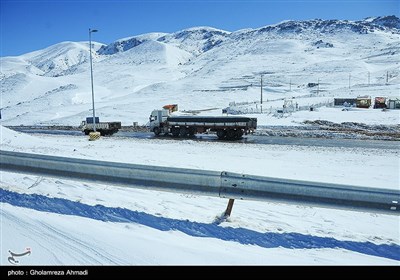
(209, 183)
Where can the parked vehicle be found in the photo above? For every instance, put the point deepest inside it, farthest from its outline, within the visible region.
(380, 102)
(231, 128)
(363, 102)
(105, 128)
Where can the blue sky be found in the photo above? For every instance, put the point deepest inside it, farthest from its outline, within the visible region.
(30, 25)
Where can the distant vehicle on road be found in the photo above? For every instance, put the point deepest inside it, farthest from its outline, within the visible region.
(230, 128)
(380, 102)
(105, 128)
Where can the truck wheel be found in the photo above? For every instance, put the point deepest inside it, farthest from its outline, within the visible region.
(157, 131)
(183, 132)
(86, 132)
(192, 131)
(175, 131)
(221, 134)
(231, 134)
(239, 134)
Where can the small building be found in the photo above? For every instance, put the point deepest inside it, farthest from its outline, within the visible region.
(363, 102)
(347, 102)
(393, 103)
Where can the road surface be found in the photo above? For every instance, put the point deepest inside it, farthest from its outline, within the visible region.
(248, 139)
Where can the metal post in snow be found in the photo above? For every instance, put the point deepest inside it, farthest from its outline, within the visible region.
(349, 79)
(368, 78)
(261, 92)
(228, 210)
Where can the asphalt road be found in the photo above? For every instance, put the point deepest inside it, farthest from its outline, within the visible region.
(248, 139)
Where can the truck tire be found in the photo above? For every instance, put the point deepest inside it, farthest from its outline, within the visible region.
(221, 134)
(231, 134)
(175, 131)
(239, 134)
(192, 131)
(157, 131)
(183, 132)
(86, 132)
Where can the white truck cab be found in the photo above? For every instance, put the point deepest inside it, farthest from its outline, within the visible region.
(157, 118)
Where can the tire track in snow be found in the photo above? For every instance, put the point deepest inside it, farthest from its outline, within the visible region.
(32, 230)
(290, 240)
(81, 248)
(56, 239)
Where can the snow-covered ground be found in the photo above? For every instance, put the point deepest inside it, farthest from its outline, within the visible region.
(70, 222)
(336, 115)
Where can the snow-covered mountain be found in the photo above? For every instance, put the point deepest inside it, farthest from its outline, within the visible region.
(67, 222)
(200, 68)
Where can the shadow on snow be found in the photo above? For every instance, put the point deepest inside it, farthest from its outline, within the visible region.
(241, 235)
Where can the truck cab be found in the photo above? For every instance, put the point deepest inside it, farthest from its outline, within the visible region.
(157, 120)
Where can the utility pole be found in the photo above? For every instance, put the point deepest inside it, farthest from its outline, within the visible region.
(261, 92)
(349, 80)
(368, 77)
(91, 75)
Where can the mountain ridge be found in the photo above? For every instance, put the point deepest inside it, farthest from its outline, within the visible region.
(213, 37)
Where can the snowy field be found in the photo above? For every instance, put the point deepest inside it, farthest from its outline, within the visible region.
(70, 222)
(336, 115)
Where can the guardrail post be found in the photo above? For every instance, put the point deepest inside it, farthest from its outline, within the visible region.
(228, 210)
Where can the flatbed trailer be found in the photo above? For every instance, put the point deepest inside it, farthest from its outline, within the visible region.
(229, 127)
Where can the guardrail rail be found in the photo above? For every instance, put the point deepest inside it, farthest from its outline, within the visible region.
(203, 182)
